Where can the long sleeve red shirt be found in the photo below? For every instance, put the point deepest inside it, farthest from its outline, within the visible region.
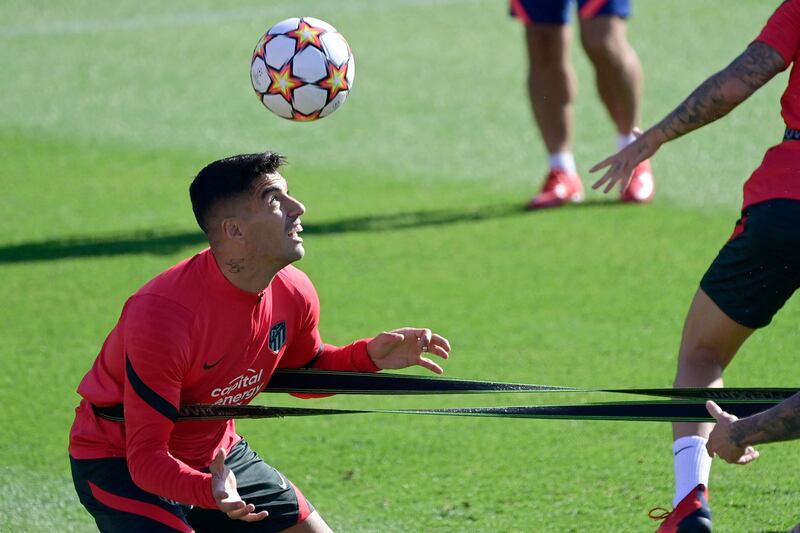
(190, 336)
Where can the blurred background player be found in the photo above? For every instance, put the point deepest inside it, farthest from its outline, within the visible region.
(758, 269)
(552, 87)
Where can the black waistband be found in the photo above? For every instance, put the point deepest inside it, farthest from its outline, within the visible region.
(791, 135)
(114, 413)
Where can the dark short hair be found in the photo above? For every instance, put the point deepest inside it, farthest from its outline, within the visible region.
(227, 178)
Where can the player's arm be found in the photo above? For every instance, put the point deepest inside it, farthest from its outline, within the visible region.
(733, 439)
(157, 340)
(722, 92)
(713, 99)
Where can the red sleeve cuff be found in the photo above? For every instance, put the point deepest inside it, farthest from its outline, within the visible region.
(361, 359)
(207, 501)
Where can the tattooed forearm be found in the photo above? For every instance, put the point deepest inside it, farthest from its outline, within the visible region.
(723, 91)
(756, 66)
(235, 265)
(706, 104)
(779, 423)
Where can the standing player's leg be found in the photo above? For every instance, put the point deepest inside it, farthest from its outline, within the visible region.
(751, 278)
(709, 342)
(619, 79)
(552, 86)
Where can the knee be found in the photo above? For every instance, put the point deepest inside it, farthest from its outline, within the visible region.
(603, 47)
(546, 50)
(702, 360)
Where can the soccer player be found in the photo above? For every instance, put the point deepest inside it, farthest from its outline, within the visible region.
(758, 268)
(212, 329)
(552, 87)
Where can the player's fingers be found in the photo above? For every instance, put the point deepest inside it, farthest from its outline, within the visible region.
(218, 464)
(752, 453)
(435, 349)
(749, 455)
(423, 338)
(232, 508)
(430, 365)
(602, 164)
(714, 410)
(241, 510)
(254, 517)
(599, 183)
(440, 341)
(611, 182)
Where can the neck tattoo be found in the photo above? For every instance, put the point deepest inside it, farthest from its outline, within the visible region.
(235, 265)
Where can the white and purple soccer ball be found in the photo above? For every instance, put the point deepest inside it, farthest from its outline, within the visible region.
(302, 69)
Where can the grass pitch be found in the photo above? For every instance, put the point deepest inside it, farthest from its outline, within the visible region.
(413, 192)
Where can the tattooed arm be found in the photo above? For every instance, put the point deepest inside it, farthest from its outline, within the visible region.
(713, 99)
(732, 438)
(723, 91)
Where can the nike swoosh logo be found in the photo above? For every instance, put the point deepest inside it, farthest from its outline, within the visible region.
(207, 366)
(283, 485)
(684, 448)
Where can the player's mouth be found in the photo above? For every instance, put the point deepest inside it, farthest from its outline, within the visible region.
(294, 232)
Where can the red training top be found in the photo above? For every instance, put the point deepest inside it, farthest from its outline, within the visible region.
(779, 173)
(190, 336)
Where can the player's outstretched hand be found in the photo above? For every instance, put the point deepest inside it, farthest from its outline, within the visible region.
(720, 442)
(223, 487)
(401, 348)
(621, 165)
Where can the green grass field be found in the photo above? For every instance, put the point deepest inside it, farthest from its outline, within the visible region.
(414, 191)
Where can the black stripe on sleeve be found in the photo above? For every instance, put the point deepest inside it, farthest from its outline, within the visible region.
(314, 359)
(147, 394)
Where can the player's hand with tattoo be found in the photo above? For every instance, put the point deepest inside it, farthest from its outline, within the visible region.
(621, 165)
(223, 487)
(404, 347)
(721, 440)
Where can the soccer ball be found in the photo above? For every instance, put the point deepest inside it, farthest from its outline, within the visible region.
(302, 69)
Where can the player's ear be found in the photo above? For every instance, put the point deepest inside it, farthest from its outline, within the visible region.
(232, 228)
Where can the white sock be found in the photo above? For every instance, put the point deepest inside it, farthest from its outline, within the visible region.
(562, 161)
(692, 465)
(624, 139)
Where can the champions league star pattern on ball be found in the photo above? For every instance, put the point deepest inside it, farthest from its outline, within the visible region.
(302, 69)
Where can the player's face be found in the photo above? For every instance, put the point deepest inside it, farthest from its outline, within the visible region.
(272, 222)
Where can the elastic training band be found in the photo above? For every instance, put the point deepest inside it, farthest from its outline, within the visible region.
(330, 382)
(653, 411)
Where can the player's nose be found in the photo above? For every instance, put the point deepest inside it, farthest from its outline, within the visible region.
(295, 207)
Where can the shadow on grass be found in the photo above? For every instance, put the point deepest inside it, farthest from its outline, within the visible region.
(167, 242)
